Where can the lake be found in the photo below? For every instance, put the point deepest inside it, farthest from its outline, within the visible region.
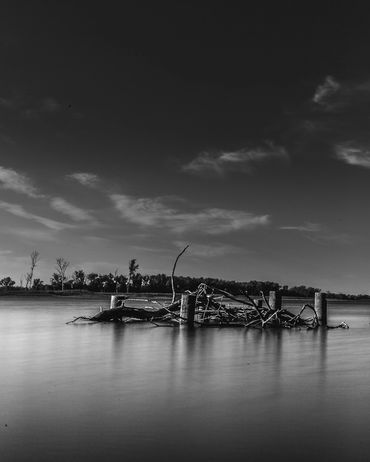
(142, 393)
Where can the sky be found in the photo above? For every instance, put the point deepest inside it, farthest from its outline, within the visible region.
(131, 129)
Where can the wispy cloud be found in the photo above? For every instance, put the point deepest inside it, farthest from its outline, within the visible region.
(328, 238)
(29, 107)
(15, 181)
(353, 155)
(319, 233)
(154, 212)
(50, 105)
(18, 211)
(307, 227)
(335, 96)
(210, 251)
(44, 106)
(31, 234)
(85, 178)
(241, 160)
(325, 91)
(75, 213)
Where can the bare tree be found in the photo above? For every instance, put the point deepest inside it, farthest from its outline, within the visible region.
(61, 268)
(132, 270)
(35, 257)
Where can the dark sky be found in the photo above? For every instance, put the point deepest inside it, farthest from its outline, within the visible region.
(129, 129)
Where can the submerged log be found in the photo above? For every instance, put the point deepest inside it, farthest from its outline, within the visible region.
(119, 313)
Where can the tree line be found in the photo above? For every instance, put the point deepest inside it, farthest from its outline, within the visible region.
(136, 282)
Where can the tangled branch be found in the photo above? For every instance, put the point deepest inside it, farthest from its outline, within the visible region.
(212, 311)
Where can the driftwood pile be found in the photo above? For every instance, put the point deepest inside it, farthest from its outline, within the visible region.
(213, 308)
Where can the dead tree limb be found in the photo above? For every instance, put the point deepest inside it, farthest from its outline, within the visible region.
(173, 273)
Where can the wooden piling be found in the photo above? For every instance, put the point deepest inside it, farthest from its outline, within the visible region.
(187, 309)
(116, 301)
(321, 307)
(275, 300)
(113, 301)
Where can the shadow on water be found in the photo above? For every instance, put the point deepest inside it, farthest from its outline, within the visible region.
(118, 338)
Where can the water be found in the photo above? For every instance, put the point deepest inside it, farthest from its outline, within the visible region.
(101, 391)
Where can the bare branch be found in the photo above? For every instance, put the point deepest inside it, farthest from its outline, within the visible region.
(61, 268)
(173, 272)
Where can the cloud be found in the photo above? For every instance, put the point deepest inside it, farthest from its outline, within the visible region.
(31, 108)
(241, 160)
(209, 251)
(332, 96)
(307, 227)
(320, 234)
(86, 179)
(327, 238)
(19, 211)
(31, 234)
(153, 212)
(49, 105)
(353, 155)
(73, 212)
(97, 239)
(326, 91)
(10, 179)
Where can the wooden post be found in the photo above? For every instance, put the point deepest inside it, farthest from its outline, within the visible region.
(116, 300)
(113, 301)
(275, 300)
(321, 307)
(187, 309)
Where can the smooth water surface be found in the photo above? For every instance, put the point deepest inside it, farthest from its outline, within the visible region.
(99, 392)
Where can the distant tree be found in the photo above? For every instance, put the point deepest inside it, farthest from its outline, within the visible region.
(7, 282)
(61, 268)
(159, 283)
(38, 284)
(108, 282)
(79, 279)
(35, 257)
(133, 266)
(55, 281)
(303, 291)
(120, 283)
(137, 282)
(94, 282)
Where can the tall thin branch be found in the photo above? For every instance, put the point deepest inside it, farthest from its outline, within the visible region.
(173, 272)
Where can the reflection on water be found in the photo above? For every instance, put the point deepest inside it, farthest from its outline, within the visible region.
(94, 392)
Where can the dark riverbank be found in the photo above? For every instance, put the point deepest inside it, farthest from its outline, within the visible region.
(79, 294)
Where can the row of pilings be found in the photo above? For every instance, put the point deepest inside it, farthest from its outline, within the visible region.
(188, 306)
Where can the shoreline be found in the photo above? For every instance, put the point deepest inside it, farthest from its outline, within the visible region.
(86, 295)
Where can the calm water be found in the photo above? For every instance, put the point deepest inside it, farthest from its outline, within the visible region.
(139, 393)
